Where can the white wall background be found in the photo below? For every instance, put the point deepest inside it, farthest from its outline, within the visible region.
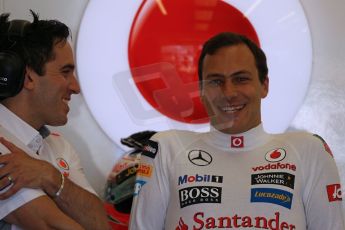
(323, 111)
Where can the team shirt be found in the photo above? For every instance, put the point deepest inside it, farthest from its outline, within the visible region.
(252, 180)
(42, 145)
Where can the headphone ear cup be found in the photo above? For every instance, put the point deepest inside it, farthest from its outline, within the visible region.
(12, 71)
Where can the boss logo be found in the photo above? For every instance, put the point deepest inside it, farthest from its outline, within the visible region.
(200, 194)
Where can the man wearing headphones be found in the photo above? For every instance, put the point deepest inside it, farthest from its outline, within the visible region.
(42, 185)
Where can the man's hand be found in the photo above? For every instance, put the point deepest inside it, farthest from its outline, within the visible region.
(41, 213)
(28, 172)
(24, 171)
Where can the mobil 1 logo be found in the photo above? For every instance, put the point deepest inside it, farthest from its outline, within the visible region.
(199, 178)
(200, 194)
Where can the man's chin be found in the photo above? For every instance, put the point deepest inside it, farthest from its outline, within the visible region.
(58, 122)
(225, 127)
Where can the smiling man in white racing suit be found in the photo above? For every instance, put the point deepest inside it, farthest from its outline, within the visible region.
(236, 176)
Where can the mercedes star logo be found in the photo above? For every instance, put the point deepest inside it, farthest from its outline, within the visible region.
(199, 157)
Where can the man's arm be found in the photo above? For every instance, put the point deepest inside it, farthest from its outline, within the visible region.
(83, 206)
(322, 196)
(41, 213)
(27, 172)
(151, 194)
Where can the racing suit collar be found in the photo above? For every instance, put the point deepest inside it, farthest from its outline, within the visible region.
(238, 142)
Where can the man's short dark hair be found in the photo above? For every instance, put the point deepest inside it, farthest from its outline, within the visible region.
(231, 39)
(36, 45)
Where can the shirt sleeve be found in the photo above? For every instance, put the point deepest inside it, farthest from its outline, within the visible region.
(17, 200)
(151, 190)
(322, 194)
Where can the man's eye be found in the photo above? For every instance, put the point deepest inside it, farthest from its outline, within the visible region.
(65, 72)
(241, 79)
(215, 82)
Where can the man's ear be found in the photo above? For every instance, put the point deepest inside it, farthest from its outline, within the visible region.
(29, 81)
(265, 87)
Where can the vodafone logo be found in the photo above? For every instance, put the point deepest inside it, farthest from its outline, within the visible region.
(334, 192)
(237, 142)
(275, 155)
(146, 61)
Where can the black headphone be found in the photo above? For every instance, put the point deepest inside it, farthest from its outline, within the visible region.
(12, 67)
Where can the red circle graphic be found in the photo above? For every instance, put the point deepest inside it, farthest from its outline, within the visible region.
(164, 46)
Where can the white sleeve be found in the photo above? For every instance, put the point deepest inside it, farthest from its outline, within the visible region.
(151, 190)
(322, 193)
(17, 200)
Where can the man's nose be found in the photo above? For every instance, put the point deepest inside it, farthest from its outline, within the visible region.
(74, 85)
(230, 89)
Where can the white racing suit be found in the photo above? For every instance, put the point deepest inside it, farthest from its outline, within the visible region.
(253, 180)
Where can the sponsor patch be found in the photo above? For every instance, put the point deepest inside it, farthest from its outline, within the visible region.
(237, 142)
(121, 166)
(199, 157)
(137, 187)
(199, 178)
(181, 225)
(131, 171)
(63, 165)
(236, 221)
(327, 148)
(334, 192)
(278, 178)
(144, 170)
(275, 166)
(150, 149)
(271, 195)
(200, 194)
(275, 155)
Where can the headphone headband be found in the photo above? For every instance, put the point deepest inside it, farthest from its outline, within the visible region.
(12, 68)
